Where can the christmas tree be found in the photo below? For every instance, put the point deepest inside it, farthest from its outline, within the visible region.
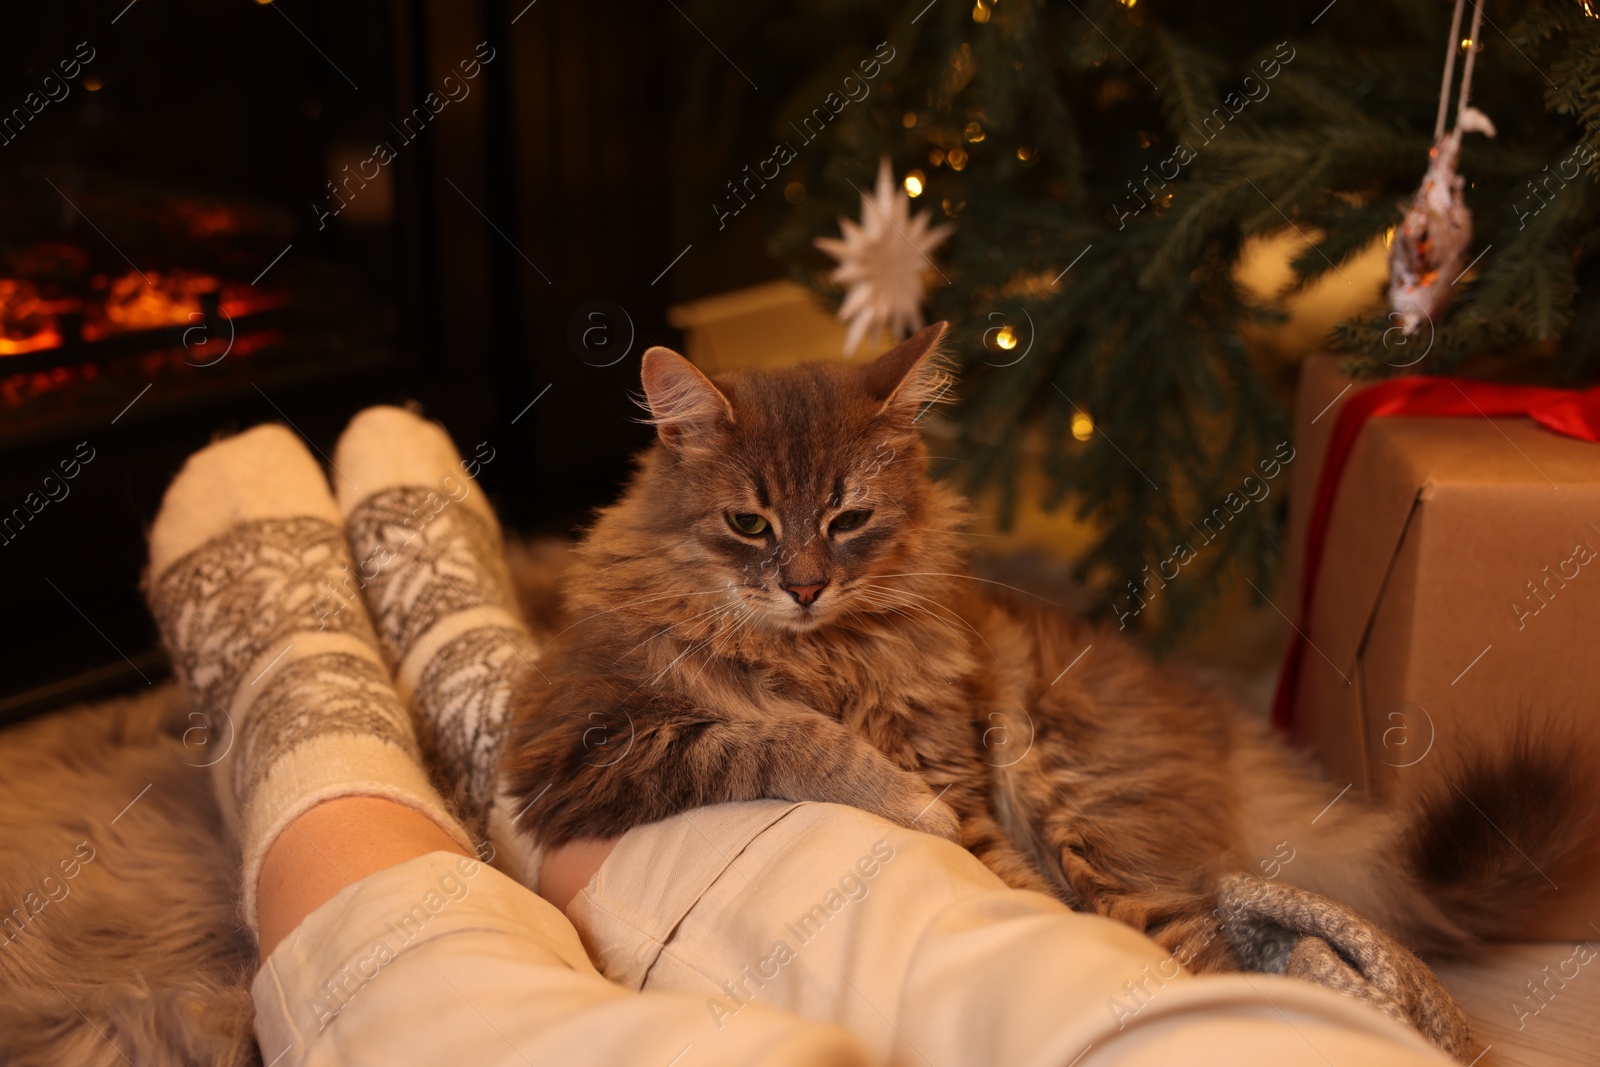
(1105, 164)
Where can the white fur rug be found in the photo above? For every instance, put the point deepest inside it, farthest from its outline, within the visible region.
(119, 941)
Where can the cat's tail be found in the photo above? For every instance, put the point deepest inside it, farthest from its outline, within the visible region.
(1501, 833)
(1495, 839)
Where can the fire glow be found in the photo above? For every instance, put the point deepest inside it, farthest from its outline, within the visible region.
(32, 320)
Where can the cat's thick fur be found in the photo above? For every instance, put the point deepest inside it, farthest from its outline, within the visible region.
(706, 666)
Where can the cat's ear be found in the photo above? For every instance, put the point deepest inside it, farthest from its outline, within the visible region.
(682, 401)
(911, 375)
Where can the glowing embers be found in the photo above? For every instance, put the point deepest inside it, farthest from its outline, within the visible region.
(27, 320)
(40, 315)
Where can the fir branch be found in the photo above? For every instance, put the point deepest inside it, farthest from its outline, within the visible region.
(1146, 334)
(1188, 89)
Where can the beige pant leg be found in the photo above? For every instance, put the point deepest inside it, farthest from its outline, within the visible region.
(910, 943)
(442, 960)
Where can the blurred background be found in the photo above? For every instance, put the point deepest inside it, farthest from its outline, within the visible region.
(215, 214)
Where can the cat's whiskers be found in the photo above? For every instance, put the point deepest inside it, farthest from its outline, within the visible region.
(746, 614)
(884, 612)
(619, 562)
(646, 641)
(888, 594)
(970, 578)
(914, 614)
(901, 591)
(696, 645)
(877, 617)
(658, 675)
(884, 596)
(709, 629)
(673, 626)
(662, 673)
(881, 602)
(641, 600)
(956, 533)
(941, 606)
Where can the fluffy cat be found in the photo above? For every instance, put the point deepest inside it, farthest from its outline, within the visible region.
(778, 606)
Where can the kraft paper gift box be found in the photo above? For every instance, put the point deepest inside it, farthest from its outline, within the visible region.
(1458, 593)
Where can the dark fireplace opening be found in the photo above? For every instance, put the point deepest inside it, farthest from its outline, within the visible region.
(214, 215)
(163, 277)
(156, 228)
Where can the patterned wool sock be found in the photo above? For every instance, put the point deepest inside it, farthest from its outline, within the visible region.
(1283, 929)
(431, 563)
(246, 560)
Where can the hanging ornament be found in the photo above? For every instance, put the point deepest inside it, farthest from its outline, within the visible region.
(883, 261)
(1430, 246)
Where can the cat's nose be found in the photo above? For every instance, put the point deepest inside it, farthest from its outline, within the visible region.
(805, 593)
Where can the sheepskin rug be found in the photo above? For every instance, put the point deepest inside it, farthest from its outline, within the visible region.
(120, 939)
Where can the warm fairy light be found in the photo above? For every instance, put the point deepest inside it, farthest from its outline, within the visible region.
(1124, 3)
(794, 192)
(92, 84)
(914, 183)
(957, 158)
(980, 12)
(1388, 237)
(1082, 424)
(936, 156)
(1006, 338)
(973, 133)
(909, 119)
(1466, 44)
(1024, 154)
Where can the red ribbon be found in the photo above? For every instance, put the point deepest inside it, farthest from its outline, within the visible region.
(1566, 411)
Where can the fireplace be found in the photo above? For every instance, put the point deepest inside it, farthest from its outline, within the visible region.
(162, 279)
(190, 303)
(214, 215)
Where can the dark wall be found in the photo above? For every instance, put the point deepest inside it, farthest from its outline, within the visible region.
(537, 214)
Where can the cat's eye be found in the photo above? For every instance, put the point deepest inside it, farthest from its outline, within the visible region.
(747, 523)
(849, 520)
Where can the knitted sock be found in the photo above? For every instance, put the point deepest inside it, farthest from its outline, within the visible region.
(1283, 929)
(431, 564)
(244, 555)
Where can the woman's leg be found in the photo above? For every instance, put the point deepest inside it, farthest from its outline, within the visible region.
(247, 578)
(912, 944)
(385, 941)
(432, 569)
(334, 845)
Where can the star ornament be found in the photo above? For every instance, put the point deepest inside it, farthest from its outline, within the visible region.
(883, 261)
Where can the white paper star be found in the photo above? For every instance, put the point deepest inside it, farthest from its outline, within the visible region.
(883, 261)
